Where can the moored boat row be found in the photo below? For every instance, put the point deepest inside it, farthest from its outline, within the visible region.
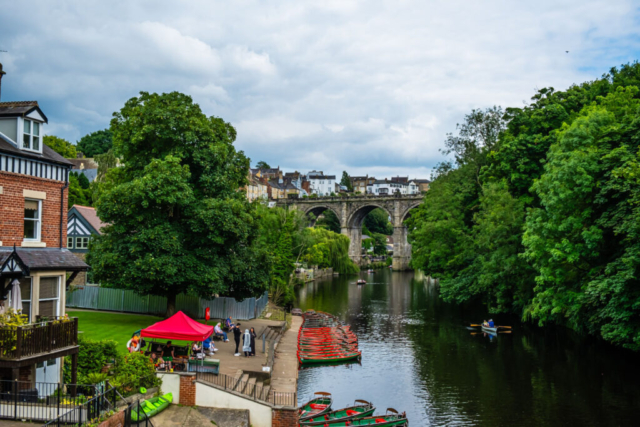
(323, 339)
(318, 412)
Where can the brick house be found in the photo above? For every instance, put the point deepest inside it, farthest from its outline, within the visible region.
(33, 224)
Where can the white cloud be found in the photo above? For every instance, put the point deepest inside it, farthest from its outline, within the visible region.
(365, 86)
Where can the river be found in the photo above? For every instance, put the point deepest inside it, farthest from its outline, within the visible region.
(418, 357)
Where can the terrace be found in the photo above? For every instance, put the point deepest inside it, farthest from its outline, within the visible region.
(38, 342)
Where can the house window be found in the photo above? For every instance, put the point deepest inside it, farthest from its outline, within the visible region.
(25, 290)
(49, 296)
(31, 135)
(32, 213)
(82, 242)
(69, 242)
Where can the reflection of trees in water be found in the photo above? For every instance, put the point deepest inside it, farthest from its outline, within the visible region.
(533, 377)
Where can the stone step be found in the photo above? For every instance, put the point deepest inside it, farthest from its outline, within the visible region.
(250, 387)
(242, 383)
(259, 389)
(236, 378)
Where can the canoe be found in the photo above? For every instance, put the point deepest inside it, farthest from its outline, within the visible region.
(490, 330)
(360, 409)
(308, 359)
(361, 282)
(391, 418)
(320, 404)
(150, 407)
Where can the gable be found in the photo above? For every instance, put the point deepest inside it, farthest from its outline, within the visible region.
(78, 226)
(36, 115)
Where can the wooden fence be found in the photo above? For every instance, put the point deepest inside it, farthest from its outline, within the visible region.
(98, 298)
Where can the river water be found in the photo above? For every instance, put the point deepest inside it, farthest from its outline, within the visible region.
(418, 357)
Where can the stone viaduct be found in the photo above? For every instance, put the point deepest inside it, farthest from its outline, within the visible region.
(351, 212)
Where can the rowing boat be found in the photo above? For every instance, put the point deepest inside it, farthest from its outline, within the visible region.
(391, 418)
(307, 359)
(360, 409)
(320, 404)
(490, 330)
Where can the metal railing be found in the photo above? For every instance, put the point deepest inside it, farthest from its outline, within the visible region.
(37, 338)
(138, 422)
(41, 401)
(87, 412)
(248, 389)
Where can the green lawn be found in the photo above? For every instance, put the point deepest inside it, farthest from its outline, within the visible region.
(115, 326)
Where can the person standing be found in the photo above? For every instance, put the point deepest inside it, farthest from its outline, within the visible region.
(168, 354)
(236, 337)
(253, 341)
(246, 343)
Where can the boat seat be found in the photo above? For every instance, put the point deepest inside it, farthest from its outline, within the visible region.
(317, 406)
(351, 412)
(380, 420)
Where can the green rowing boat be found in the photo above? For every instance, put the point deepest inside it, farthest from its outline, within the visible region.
(151, 407)
(360, 409)
(391, 418)
(320, 404)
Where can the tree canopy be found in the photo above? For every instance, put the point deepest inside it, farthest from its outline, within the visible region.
(98, 142)
(538, 214)
(377, 221)
(346, 181)
(176, 220)
(263, 165)
(60, 146)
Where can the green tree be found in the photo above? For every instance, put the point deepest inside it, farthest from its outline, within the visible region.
(377, 221)
(83, 181)
(346, 181)
(583, 238)
(60, 146)
(262, 165)
(98, 142)
(379, 244)
(77, 194)
(176, 220)
(329, 220)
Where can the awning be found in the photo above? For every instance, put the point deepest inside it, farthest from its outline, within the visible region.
(178, 327)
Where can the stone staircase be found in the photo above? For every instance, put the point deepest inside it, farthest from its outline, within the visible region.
(253, 385)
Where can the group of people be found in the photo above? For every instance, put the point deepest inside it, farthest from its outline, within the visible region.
(248, 339)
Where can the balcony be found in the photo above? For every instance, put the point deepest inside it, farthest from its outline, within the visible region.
(34, 343)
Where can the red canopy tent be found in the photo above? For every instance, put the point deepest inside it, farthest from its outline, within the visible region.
(178, 327)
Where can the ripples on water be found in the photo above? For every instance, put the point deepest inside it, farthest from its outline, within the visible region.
(418, 357)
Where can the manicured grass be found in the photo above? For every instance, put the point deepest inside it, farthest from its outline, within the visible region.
(116, 326)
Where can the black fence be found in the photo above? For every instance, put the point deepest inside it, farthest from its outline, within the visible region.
(250, 389)
(90, 411)
(137, 421)
(41, 401)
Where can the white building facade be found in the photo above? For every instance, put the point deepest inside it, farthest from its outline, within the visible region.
(387, 188)
(321, 184)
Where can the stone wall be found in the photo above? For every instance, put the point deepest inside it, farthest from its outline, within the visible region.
(81, 278)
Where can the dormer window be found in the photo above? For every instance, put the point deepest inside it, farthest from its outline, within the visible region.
(31, 135)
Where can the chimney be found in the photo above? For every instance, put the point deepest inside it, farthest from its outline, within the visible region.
(2, 73)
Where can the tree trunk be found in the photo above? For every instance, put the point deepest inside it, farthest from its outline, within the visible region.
(171, 305)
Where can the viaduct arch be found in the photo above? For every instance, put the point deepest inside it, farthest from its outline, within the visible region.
(351, 212)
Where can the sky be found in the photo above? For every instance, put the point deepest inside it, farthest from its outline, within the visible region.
(370, 87)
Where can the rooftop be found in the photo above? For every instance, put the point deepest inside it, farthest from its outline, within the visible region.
(91, 216)
(45, 258)
(47, 153)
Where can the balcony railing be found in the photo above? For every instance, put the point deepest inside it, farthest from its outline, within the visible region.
(37, 338)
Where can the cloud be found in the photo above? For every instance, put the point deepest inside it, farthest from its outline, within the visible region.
(364, 86)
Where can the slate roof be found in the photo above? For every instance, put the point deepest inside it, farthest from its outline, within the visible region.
(91, 174)
(46, 258)
(84, 163)
(91, 216)
(47, 153)
(20, 109)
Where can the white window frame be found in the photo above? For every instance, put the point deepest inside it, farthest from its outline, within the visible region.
(38, 222)
(31, 136)
(30, 300)
(69, 242)
(49, 299)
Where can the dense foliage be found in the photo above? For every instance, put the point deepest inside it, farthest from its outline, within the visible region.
(98, 142)
(346, 181)
(60, 146)
(539, 213)
(92, 357)
(377, 221)
(291, 241)
(262, 165)
(80, 192)
(329, 220)
(177, 222)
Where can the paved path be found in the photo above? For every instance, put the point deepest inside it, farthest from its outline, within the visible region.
(284, 378)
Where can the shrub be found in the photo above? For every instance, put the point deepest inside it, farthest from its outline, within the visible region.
(135, 371)
(92, 357)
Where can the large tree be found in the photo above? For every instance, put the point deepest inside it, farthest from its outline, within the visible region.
(263, 165)
(377, 221)
(98, 142)
(176, 220)
(60, 146)
(346, 181)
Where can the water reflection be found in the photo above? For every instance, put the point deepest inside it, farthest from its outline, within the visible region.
(419, 356)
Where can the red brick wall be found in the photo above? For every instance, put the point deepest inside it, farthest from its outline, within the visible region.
(284, 418)
(188, 389)
(12, 209)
